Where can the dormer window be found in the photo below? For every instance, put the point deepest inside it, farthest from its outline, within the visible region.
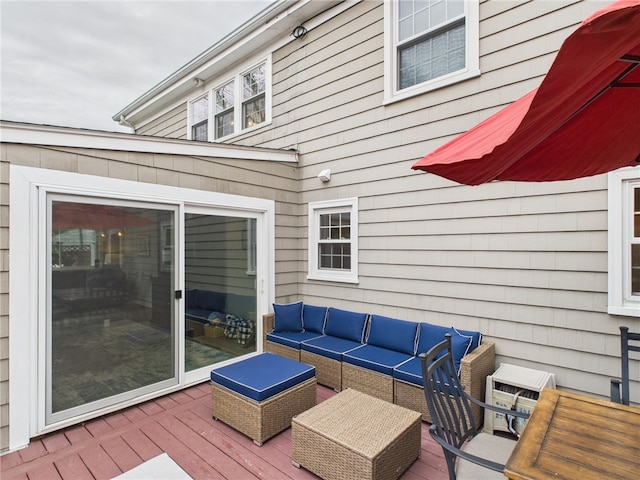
(239, 104)
(253, 101)
(200, 119)
(224, 110)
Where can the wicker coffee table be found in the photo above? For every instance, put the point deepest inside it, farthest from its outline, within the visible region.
(259, 396)
(354, 436)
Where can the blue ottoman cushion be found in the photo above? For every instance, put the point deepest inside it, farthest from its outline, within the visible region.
(262, 376)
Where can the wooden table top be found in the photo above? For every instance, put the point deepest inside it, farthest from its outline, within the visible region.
(571, 436)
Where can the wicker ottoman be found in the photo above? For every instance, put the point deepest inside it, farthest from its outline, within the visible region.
(259, 396)
(356, 436)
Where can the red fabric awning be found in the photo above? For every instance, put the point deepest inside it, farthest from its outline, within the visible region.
(583, 120)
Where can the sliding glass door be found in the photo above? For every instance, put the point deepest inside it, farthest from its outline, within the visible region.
(111, 333)
(220, 287)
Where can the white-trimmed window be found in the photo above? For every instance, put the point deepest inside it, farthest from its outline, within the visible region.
(238, 104)
(429, 44)
(333, 240)
(199, 116)
(624, 242)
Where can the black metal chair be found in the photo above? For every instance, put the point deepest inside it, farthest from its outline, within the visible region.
(469, 454)
(620, 386)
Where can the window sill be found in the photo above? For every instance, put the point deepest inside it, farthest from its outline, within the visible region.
(328, 277)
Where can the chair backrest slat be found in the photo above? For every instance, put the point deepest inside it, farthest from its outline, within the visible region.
(449, 408)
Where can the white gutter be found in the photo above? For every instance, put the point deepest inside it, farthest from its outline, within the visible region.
(31, 134)
(262, 18)
(276, 21)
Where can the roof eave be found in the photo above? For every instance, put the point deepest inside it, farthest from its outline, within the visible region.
(274, 22)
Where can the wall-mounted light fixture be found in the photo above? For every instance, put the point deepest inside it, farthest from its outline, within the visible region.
(197, 82)
(299, 32)
(325, 175)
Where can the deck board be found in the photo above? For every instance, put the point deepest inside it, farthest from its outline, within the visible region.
(179, 424)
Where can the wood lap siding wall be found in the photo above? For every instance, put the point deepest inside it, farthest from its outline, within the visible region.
(241, 177)
(172, 124)
(526, 264)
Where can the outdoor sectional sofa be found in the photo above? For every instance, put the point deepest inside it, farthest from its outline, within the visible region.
(373, 354)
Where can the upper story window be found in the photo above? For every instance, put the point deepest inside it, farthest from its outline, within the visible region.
(200, 119)
(429, 44)
(333, 240)
(624, 242)
(239, 104)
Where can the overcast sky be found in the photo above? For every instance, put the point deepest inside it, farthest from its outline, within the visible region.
(78, 63)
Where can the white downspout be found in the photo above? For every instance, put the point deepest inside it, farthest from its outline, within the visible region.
(123, 121)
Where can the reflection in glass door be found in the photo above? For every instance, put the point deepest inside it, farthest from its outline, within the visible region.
(220, 282)
(111, 327)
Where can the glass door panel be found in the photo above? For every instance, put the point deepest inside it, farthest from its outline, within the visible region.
(111, 328)
(220, 282)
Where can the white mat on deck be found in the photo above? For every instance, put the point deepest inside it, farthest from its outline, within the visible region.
(161, 467)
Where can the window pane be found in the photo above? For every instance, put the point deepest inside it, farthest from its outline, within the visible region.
(106, 338)
(200, 110)
(635, 269)
(253, 83)
(253, 112)
(335, 256)
(432, 57)
(225, 97)
(199, 132)
(224, 124)
(636, 212)
(220, 297)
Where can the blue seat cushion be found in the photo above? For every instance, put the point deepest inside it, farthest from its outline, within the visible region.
(313, 318)
(262, 376)
(198, 314)
(288, 317)
(398, 335)
(345, 324)
(374, 358)
(409, 371)
(330, 347)
(291, 339)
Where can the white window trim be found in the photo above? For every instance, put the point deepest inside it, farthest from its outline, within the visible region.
(236, 77)
(190, 115)
(472, 60)
(315, 209)
(26, 412)
(620, 202)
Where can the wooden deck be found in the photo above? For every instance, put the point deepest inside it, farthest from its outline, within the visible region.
(179, 424)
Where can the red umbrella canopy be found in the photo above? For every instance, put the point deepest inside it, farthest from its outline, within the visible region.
(583, 120)
(95, 217)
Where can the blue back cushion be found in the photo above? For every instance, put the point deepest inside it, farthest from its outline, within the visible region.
(393, 334)
(190, 298)
(476, 337)
(209, 300)
(288, 317)
(313, 318)
(461, 345)
(345, 324)
(243, 306)
(429, 335)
